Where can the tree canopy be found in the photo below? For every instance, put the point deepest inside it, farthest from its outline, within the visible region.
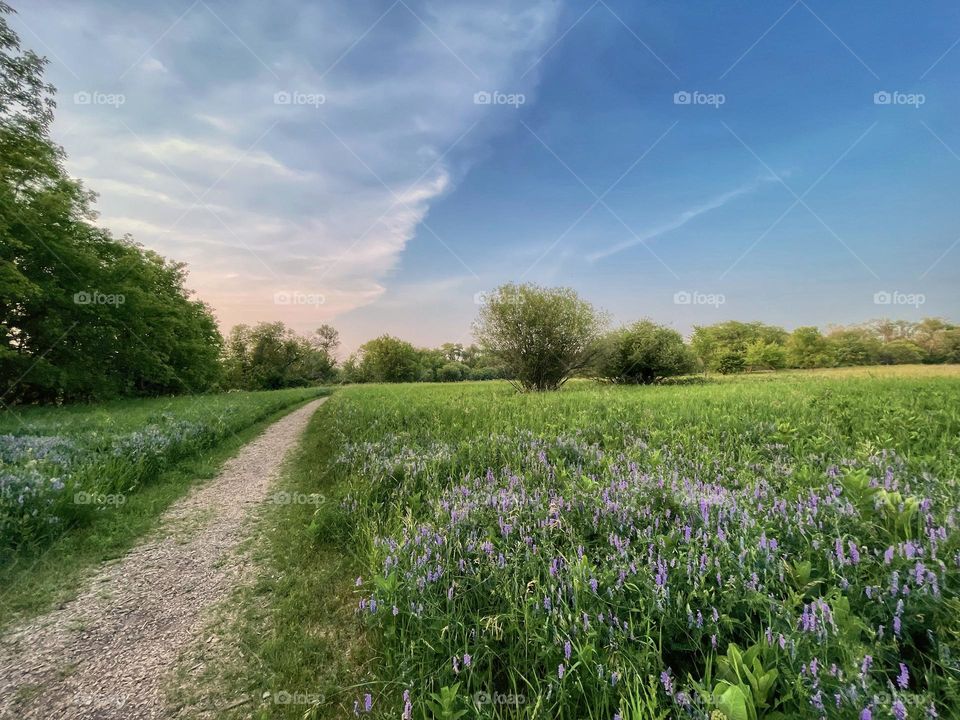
(82, 314)
(542, 335)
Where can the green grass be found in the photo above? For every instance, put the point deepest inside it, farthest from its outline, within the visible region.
(60, 468)
(525, 499)
(35, 578)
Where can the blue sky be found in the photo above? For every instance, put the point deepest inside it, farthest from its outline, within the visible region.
(331, 162)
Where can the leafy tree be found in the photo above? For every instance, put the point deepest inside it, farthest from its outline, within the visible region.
(807, 348)
(900, 352)
(726, 343)
(763, 355)
(852, 346)
(270, 356)
(644, 353)
(542, 335)
(388, 359)
(453, 372)
(83, 315)
(731, 361)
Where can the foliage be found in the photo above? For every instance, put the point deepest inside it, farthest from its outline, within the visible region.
(543, 335)
(644, 353)
(384, 359)
(270, 356)
(731, 347)
(82, 314)
(807, 348)
(726, 343)
(764, 355)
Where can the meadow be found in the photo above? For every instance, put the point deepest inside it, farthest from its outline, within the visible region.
(777, 545)
(61, 467)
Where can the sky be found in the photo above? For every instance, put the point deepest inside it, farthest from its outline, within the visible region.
(381, 165)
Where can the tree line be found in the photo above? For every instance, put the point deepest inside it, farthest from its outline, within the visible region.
(544, 336)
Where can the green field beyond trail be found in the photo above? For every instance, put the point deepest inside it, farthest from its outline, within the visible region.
(783, 545)
(62, 468)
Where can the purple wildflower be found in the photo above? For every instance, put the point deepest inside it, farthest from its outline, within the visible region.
(903, 679)
(899, 710)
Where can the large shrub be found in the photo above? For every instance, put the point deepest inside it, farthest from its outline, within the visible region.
(542, 335)
(644, 353)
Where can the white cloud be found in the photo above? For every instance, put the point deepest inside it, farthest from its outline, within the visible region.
(201, 164)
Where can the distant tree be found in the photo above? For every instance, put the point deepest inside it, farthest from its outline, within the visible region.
(852, 346)
(326, 339)
(271, 355)
(726, 343)
(542, 335)
(453, 372)
(900, 352)
(762, 355)
(644, 353)
(731, 361)
(807, 348)
(388, 359)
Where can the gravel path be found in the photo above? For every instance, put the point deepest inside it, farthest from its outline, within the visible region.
(107, 653)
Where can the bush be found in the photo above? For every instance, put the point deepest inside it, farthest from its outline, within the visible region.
(730, 362)
(452, 372)
(542, 335)
(644, 353)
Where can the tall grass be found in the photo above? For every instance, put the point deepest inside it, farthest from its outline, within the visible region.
(760, 547)
(60, 468)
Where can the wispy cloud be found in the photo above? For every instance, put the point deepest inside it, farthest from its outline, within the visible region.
(299, 154)
(683, 218)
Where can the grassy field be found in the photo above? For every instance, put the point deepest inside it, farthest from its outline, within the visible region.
(779, 545)
(82, 483)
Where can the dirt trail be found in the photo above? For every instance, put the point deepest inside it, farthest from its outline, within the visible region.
(108, 653)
